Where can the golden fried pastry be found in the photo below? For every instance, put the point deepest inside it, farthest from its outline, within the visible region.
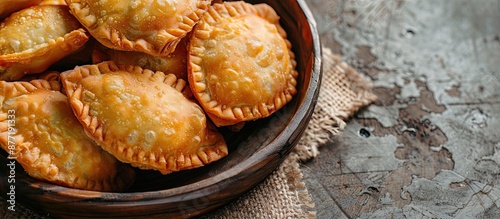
(39, 130)
(8, 7)
(175, 63)
(150, 26)
(141, 117)
(34, 38)
(240, 66)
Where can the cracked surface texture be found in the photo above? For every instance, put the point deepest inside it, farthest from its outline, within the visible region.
(430, 146)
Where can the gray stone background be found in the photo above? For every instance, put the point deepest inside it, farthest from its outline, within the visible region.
(429, 147)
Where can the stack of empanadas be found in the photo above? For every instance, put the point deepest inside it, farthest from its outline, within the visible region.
(97, 87)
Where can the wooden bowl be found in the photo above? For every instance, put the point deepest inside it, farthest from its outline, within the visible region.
(254, 152)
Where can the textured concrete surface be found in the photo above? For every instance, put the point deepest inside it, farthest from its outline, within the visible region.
(430, 146)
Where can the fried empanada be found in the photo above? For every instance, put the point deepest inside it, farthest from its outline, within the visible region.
(142, 117)
(150, 26)
(39, 130)
(34, 38)
(240, 64)
(175, 63)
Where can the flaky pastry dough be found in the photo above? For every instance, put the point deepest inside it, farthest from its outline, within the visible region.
(39, 130)
(175, 62)
(142, 117)
(150, 26)
(240, 64)
(34, 38)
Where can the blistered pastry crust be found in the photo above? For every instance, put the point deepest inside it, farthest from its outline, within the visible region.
(142, 117)
(174, 63)
(240, 64)
(49, 33)
(39, 130)
(150, 26)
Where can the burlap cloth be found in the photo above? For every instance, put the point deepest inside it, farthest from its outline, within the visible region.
(283, 194)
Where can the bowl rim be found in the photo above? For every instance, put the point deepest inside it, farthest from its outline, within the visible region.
(290, 134)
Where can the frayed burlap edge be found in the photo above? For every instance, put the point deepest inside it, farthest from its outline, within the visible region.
(281, 195)
(343, 92)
